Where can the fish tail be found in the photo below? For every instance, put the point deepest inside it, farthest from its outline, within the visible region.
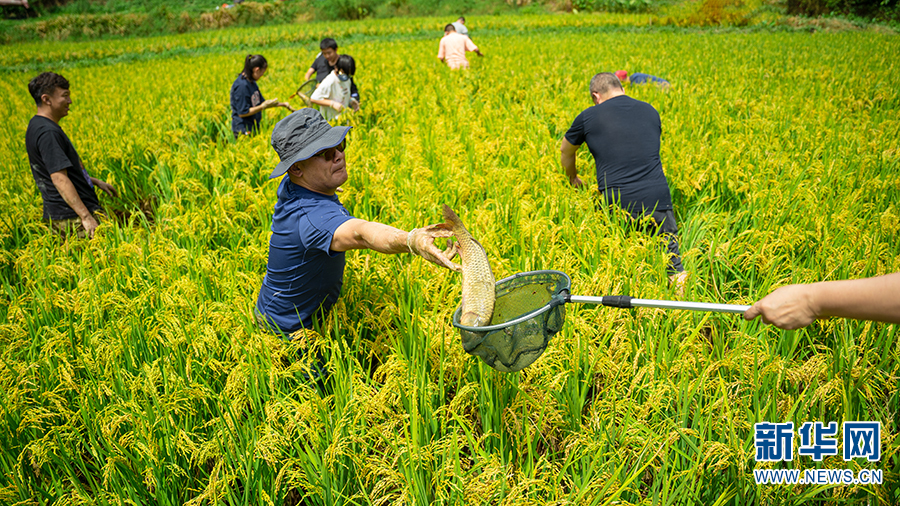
(453, 220)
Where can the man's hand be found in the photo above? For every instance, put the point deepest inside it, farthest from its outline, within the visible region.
(272, 102)
(354, 104)
(421, 242)
(68, 192)
(789, 307)
(337, 106)
(90, 224)
(794, 306)
(567, 160)
(106, 187)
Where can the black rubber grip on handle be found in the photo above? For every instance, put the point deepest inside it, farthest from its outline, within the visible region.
(617, 301)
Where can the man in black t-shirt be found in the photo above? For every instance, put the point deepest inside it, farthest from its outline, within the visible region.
(623, 135)
(324, 64)
(66, 188)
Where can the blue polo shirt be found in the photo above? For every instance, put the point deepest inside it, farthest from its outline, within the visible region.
(302, 273)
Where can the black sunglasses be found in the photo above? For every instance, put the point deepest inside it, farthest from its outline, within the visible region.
(328, 154)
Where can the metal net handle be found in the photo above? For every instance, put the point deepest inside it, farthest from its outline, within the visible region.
(624, 301)
(620, 301)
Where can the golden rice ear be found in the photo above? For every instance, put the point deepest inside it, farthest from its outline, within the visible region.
(139, 354)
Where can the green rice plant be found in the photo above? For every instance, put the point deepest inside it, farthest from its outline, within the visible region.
(131, 369)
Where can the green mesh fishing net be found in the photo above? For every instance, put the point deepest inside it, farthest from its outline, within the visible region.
(529, 310)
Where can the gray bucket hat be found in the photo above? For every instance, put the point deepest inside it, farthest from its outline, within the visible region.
(302, 134)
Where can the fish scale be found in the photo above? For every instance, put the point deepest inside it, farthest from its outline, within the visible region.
(477, 278)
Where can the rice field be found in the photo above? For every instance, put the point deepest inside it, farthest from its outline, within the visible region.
(132, 371)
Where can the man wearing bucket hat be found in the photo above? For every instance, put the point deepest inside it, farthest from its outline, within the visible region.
(311, 229)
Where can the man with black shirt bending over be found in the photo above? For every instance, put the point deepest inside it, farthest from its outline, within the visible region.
(623, 135)
(70, 202)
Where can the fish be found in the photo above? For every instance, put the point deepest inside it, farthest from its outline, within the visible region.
(478, 283)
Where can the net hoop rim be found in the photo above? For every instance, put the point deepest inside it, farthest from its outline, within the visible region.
(555, 300)
(305, 83)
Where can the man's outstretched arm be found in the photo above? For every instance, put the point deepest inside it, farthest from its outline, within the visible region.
(361, 234)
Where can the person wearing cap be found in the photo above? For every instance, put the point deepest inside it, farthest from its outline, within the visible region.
(311, 229)
(623, 135)
(453, 46)
(334, 94)
(639, 78)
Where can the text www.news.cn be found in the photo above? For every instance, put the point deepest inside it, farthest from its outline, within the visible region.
(818, 477)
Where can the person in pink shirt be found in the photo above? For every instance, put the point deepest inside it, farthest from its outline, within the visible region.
(453, 47)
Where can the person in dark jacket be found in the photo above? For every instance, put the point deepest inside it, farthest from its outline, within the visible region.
(247, 102)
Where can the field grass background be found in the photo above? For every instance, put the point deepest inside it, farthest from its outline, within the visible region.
(132, 371)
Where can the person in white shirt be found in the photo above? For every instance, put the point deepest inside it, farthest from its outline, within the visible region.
(333, 94)
(460, 25)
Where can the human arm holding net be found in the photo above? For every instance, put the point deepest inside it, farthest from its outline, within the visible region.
(795, 306)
